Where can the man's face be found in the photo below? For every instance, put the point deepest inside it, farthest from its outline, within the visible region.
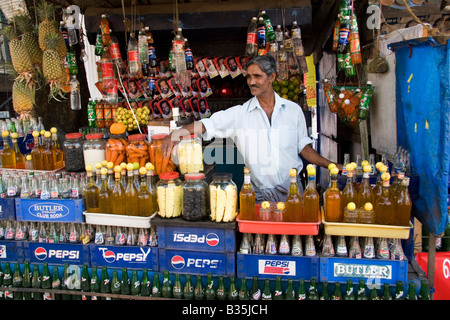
(258, 81)
(132, 87)
(203, 85)
(232, 64)
(164, 87)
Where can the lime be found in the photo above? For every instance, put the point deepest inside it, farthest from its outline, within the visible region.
(291, 87)
(296, 81)
(285, 83)
(284, 90)
(276, 88)
(275, 83)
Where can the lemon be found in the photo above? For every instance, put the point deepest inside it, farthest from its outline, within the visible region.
(293, 172)
(383, 168)
(364, 163)
(331, 166)
(89, 167)
(378, 165)
(284, 90)
(149, 166)
(130, 166)
(351, 206)
(368, 206)
(265, 205)
(281, 206)
(296, 81)
(142, 170)
(104, 171)
(291, 87)
(285, 83)
(385, 176)
(117, 168)
(98, 165)
(123, 165)
(110, 165)
(367, 168)
(284, 96)
(334, 170)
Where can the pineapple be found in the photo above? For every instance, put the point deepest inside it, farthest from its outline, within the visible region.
(52, 67)
(19, 54)
(29, 39)
(23, 94)
(47, 25)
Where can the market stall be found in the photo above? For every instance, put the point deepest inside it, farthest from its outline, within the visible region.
(101, 212)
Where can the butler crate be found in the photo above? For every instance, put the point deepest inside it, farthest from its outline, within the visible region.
(60, 210)
(131, 257)
(179, 234)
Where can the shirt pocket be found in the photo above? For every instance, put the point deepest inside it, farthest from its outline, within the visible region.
(288, 137)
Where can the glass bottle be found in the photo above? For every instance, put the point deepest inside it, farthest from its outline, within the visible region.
(386, 293)
(115, 283)
(361, 291)
(145, 199)
(232, 293)
(399, 292)
(355, 249)
(349, 295)
(366, 214)
(210, 293)
(156, 288)
(402, 204)
(325, 295)
(8, 156)
(369, 248)
(199, 292)
(47, 153)
(411, 292)
(36, 153)
(45, 192)
(85, 282)
(350, 213)
(365, 193)
(313, 294)
(135, 289)
(131, 194)
(91, 192)
(247, 198)
(297, 248)
(290, 292)
(125, 282)
(332, 199)
(177, 287)
(344, 165)
(118, 194)
(378, 189)
(349, 194)
(384, 209)
(220, 292)
(341, 248)
(20, 159)
(383, 249)
(266, 293)
(105, 194)
(188, 290)
(337, 294)
(293, 200)
(373, 294)
(151, 184)
(310, 198)
(255, 292)
(327, 247)
(278, 293)
(36, 283)
(310, 248)
(17, 281)
(167, 291)
(424, 292)
(56, 148)
(243, 290)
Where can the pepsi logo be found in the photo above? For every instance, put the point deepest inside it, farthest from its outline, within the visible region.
(212, 239)
(109, 256)
(40, 253)
(177, 262)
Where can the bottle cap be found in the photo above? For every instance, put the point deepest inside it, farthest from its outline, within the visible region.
(334, 171)
(89, 167)
(5, 133)
(281, 206)
(149, 166)
(385, 176)
(367, 168)
(138, 136)
(351, 206)
(368, 206)
(246, 170)
(159, 136)
(104, 171)
(293, 172)
(94, 136)
(168, 175)
(331, 166)
(14, 135)
(265, 205)
(130, 166)
(98, 165)
(110, 165)
(142, 170)
(74, 135)
(117, 168)
(194, 176)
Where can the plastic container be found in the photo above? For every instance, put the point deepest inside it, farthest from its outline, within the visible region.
(223, 198)
(195, 197)
(94, 149)
(169, 194)
(117, 220)
(73, 152)
(116, 149)
(190, 154)
(138, 149)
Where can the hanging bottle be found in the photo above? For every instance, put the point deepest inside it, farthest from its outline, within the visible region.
(188, 55)
(98, 51)
(261, 37)
(355, 49)
(270, 33)
(344, 33)
(251, 48)
(134, 66)
(282, 63)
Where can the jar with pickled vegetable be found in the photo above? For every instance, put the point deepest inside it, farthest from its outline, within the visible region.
(137, 149)
(223, 198)
(94, 149)
(156, 156)
(116, 146)
(169, 192)
(190, 154)
(195, 197)
(73, 152)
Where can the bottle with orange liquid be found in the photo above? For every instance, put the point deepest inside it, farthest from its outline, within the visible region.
(36, 153)
(402, 204)
(355, 48)
(365, 193)
(384, 207)
(332, 199)
(293, 200)
(104, 26)
(349, 194)
(247, 198)
(311, 198)
(56, 149)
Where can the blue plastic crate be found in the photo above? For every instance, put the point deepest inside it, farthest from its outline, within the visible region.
(7, 209)
(179, 234)
(374, 271)
(12, 251)
(131, 257)
(57, 253)
(270, 266)
(62, 210)
(197, 262)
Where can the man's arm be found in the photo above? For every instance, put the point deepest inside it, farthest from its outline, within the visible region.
(173, 138)
(314, 157)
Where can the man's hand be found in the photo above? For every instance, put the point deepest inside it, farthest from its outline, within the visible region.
(169, 143)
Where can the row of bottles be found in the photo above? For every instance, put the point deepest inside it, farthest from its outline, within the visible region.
(132, 191)
(298, 207)
(140, 285)
(71, 232)
(22, 126)
(46, 154)
(275, 244)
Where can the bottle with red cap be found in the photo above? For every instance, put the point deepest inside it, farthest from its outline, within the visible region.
(94, 149)
(169, 192)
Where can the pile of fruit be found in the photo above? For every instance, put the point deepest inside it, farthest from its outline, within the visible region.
(288, 89)
(125, 116)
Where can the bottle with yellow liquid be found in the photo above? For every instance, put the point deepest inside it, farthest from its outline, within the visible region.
(29, 162)
(311, 198)
(384, 207)
(8, 155)
(36, 152)
(110, 178)
(56, 149)
(151, 184)
(332, 199)
(365, 193)
(123, 175)
(366, 214)
(378, 189)
(91, 192)
(397, 185)
(20, 159)
(350, 213)
(349, 194)
(118, 194)
(247, 198)
(105, 194)
(145, 201)
(403, 204)
(131, 194)
(293, 200)
(98, 175)
(47, 153)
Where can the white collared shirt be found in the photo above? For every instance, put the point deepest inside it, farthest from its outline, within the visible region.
(270, 149)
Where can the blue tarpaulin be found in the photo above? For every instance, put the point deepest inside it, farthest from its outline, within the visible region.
(423, 123)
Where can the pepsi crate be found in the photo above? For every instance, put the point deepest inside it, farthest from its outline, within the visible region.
(12, 251)
(267, 266)
(197, 262)
(130, 257)
(61, 210)
(7, 209)
(377, 271)
(57, 253)
(179, 234)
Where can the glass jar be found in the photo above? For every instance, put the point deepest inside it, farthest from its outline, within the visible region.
(195, 197)
(94, 149)
(190, 154)
(73, 152)
(169, 194)
(138, 149)
(223, 198)
(116, 149)
(156, 156)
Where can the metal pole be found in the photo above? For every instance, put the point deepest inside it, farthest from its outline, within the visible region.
(431, 263)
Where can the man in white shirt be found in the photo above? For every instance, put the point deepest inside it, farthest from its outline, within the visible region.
(269, 131)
